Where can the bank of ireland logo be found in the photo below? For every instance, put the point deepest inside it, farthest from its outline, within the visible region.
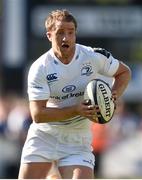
(69, 88)
(86, 70)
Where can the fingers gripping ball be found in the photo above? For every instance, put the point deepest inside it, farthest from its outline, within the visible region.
(100, 94)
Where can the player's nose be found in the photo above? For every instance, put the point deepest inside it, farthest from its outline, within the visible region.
(65, 37)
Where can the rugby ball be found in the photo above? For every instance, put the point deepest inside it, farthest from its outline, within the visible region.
(99, 93)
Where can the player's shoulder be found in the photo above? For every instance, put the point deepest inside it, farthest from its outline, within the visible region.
(102, 51)
(94, 51)
(41, 61)
(84, 49)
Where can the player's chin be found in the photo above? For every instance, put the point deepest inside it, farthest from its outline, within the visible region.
(65, 49)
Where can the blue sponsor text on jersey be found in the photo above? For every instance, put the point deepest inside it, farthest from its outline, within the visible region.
(69, 95)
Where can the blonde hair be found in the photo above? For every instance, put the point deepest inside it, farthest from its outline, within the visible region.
(63, 15)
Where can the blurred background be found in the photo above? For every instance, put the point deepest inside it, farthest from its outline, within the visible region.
(115, 25)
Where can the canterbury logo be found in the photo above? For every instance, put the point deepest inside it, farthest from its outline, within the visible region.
(51, 77)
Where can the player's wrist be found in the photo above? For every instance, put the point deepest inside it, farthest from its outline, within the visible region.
(76, 110)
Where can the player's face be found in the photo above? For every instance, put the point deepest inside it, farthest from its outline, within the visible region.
(63, 37)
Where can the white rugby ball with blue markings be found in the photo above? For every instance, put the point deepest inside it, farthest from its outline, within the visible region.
(100, 94)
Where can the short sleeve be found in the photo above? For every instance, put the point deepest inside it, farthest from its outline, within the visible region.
(38, 88)
(108, 66)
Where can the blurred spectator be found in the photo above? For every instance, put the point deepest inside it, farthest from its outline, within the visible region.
(14, 123)
(18, 120)
(123, 126)
(99, 144)
(5, 107)
(124, 160)
(113, 141)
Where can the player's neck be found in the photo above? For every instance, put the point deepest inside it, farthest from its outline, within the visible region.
(65, 57)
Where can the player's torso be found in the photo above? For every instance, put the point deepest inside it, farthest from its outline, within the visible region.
(67, 82)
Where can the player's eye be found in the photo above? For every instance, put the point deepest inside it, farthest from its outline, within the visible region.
(71, 32)
(60, 33)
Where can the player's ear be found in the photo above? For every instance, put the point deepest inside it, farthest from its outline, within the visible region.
(48, 34)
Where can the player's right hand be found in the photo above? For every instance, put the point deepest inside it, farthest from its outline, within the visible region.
(86, 109)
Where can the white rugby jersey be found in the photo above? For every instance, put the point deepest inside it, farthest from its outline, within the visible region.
(64, 84)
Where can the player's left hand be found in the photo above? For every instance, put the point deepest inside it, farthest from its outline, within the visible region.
(114, 98)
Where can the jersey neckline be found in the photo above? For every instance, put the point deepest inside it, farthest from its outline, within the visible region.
(60, 62)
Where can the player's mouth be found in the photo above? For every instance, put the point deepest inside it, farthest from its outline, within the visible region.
(66, 46)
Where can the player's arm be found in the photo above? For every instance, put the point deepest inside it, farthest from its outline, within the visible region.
(42, 114)
(122, 75)
(122, 78)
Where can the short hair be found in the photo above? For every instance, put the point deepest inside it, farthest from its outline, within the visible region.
(59, 15)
